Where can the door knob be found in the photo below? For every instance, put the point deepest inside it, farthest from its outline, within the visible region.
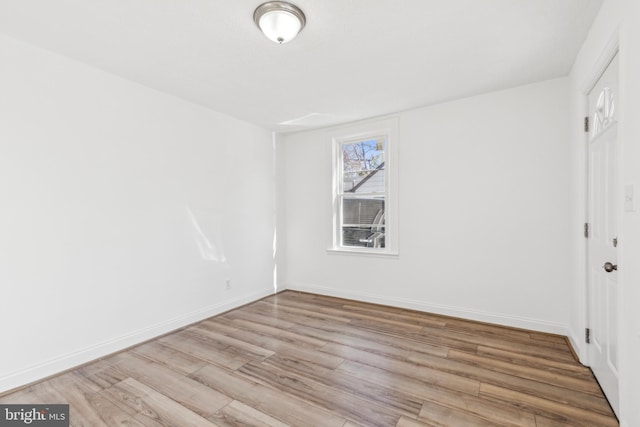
(608, 267)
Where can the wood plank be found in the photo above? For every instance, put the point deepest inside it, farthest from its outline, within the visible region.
(250, 351)
(238, 414)
(169, 357)
(221, 324)
(558, 421)
(76, 391)
(443, 416)
(295, 314)
(312, 310)
(95, 372)
(537, 361)
(548, 377)
(462, 325)
(184, 390)
(374, 344)
(152, 406)
(361, 319)
(26, 395)
(499, 414)
(287, 335)
(428, 375)
(271, 317)
(400, 402)
(373, 323)
(409, 422)
(549, 337)
(401, 315)
(535, 388)
(531, 348)
(382, 343)
(205, 349)
(552, 408)
(274, 344)
(304, 318)
(86, 407)
(110, 414)
(342, 402)
(420, 342)
(275, 403)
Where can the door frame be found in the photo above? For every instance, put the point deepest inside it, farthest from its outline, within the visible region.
(611, 49)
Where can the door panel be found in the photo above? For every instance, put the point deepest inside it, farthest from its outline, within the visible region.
(602, 242)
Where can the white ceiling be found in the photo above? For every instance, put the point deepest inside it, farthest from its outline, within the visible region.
(354, 59)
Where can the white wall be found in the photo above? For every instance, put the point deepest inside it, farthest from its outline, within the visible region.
(123, 211)
(630, 266)
(484, 212)
(618, 23)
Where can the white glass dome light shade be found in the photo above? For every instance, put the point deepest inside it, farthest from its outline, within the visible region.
(279, 26)
(279, 21)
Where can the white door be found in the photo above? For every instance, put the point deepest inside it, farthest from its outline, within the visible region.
(603, 232)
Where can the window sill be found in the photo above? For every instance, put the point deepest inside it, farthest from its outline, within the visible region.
(360, 252)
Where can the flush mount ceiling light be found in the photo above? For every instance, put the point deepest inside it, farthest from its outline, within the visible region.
(279, 21)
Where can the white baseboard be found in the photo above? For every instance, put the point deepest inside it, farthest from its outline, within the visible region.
(68, 361)
(481, 316)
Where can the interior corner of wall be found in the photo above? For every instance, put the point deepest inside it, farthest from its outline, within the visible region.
(577, 345)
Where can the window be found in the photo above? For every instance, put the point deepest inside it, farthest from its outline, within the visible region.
(363, 200)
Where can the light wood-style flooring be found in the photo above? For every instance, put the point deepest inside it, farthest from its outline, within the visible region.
(296, 359)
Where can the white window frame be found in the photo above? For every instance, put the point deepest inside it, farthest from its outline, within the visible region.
(360, 132)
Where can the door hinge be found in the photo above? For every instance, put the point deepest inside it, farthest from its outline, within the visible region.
(586, 124)
(586, 230)
(587, 335)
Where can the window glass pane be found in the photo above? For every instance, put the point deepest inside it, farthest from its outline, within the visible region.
(363, 165)
(363, 222)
